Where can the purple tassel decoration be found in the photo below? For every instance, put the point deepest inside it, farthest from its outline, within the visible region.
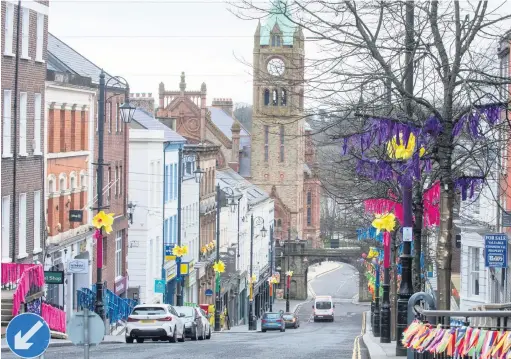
(466, 183)
(376, 170)
(432, 127)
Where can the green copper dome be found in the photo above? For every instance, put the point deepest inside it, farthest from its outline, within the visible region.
(279, 15)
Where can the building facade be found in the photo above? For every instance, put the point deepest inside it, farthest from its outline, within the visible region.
(67, 61)
(190, 225)
(23, 99)
(69, 129)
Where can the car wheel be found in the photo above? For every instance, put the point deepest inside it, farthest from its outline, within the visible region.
(129, 340)
(263, 330)
(283, 330)
(140, 340)
(195, 335)
(182, 339)
(155, 339)
(209, 334)
(173, 338)
(202, 334)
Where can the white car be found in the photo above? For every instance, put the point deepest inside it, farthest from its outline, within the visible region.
(156, 322)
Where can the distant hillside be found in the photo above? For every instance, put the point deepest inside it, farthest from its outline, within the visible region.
(243, 112)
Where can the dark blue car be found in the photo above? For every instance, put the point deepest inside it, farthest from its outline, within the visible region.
(273, 321)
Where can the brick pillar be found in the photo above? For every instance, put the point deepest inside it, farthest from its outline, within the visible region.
(54, 131)
(62, 129)
(84, 134)
(83, 198)
(73, 138)
(51, 215)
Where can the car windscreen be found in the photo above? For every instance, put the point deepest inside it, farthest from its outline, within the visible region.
(271, 316)
(288, 317)
(148, 311)
(187, 311)
(323, 305)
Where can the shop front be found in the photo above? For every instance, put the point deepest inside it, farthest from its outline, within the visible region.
(170, 290)
(121, 286)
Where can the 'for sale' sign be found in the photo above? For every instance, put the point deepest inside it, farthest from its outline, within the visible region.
(495, 250)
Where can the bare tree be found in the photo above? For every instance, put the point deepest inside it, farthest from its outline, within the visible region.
(362, 44)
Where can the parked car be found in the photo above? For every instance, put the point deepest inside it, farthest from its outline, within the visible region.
(195, 325)
(156, 322)
(291, 320)
(272, 321)
(205, 318)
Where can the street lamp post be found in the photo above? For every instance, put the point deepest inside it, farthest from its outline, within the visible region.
(288, 249)
(126, 111)
(271, 268)
(258, 221)
(232, 204)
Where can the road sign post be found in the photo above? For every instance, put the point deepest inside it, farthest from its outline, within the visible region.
(86, 328)
(28, 335)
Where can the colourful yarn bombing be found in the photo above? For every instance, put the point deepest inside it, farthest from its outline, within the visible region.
(457, 341)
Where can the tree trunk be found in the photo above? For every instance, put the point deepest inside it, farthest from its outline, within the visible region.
(417, 242)
(444, 244)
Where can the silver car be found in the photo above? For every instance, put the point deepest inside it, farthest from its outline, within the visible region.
(156, 322)
(196, 327)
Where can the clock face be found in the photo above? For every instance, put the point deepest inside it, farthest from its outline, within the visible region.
(276, 67)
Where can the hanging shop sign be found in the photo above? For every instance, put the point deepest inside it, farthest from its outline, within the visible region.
(54, 277)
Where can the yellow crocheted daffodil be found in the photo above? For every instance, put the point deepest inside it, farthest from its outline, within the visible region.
(219, 267)
(289, 273)
(384, 222)
(399, 151)
(180, 251)
(103, 220)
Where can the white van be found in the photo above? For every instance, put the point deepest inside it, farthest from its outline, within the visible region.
(323, 308)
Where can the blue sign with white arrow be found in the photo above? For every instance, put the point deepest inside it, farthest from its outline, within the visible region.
(28, 335)
(159, 286)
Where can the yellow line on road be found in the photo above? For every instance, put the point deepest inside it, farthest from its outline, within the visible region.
(357, 352)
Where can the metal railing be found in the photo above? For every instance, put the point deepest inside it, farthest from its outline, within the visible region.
(491, 320)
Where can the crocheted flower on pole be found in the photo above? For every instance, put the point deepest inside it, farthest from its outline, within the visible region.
(289, 273)
(399, 151)
(219, 267)
(103, 220)
(180, 251)
(384, 222)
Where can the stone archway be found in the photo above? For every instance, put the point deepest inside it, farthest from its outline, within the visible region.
(300, 268)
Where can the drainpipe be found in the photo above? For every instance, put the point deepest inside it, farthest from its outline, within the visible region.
(15, 149)
(163, 274)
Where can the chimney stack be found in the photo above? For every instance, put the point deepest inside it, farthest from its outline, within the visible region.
(234, 163)
(225, 104)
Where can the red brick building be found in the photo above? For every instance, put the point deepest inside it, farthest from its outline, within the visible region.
(67, 127)
(23, 84)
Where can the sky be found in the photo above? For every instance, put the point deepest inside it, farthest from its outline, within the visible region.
(149, 42)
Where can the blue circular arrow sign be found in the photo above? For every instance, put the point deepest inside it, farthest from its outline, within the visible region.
(28, 335)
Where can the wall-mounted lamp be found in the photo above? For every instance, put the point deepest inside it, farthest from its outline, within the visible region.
(131, 210)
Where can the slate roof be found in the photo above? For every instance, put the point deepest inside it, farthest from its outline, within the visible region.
(224, 122)
(230, 178)
(63, 58)
(147, 120)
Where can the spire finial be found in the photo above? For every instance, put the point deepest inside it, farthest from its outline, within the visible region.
(182, 84)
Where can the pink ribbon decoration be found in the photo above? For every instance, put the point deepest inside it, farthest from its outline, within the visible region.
(11, 272)
(55, 317)
(431, 199)
(386, 249)
(32, 276)
(383, 205)
(99, 249)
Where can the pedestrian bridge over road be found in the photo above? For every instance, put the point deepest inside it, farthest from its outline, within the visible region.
(297, 257)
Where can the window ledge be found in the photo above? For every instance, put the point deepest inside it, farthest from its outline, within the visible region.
(37, 251)
(6, 260)
(37, 153)
(41, 61)
(9, 54)
(6, 155)
(24, 154)
(22, 255)
(25, 58)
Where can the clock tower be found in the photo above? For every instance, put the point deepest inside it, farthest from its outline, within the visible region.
(278, 145)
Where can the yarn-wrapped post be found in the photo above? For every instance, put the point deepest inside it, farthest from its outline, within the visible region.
(385, 312)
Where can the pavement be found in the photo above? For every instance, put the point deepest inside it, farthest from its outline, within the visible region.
(376, 349)
(325, 340)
